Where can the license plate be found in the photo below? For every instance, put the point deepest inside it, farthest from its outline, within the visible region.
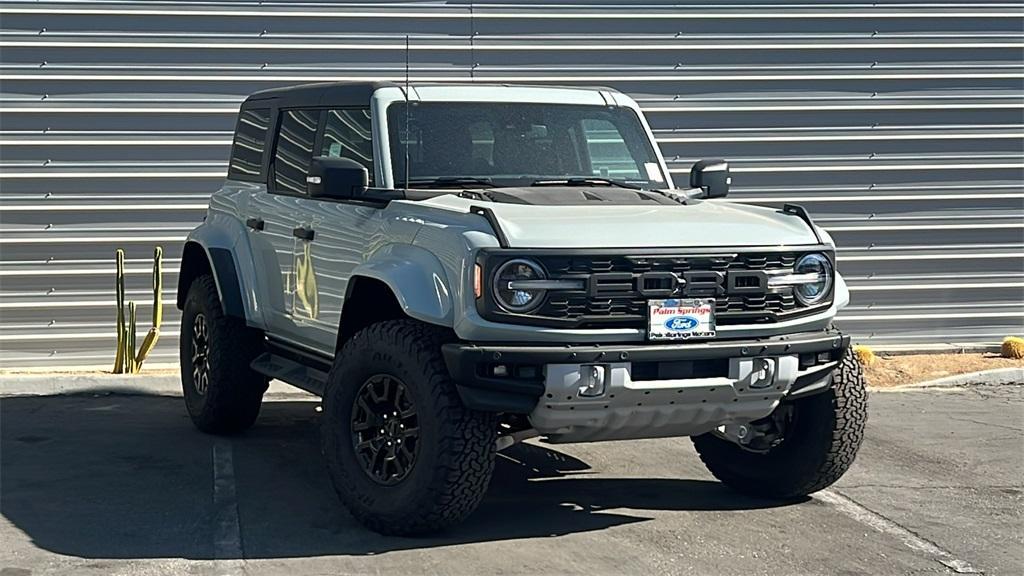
(681, 319)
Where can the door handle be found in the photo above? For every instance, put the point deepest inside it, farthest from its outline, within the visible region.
(255, 223)
(303, 233)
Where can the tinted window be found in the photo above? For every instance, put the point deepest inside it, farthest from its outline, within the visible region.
(250, 138)
(514, 144)
(294, 150)
(347, 134)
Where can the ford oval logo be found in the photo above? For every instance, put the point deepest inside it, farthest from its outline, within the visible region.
(681, 323)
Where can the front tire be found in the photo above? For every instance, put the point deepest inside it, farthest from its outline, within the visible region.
(222, 393)
(818, 447)
(404, 455)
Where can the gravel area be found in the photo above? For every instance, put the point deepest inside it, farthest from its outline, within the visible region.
(889, 371)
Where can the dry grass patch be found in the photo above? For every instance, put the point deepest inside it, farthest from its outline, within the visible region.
(889, 371)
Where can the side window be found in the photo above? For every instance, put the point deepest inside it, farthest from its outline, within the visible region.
(294, 150)
(348, 134)
(247, 149)
(609, 155)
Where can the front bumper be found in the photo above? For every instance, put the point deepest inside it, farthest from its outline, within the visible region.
(472, 366)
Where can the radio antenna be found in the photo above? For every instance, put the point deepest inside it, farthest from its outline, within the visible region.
(408, 135)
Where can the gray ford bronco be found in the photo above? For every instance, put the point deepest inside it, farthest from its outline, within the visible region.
(456, 268)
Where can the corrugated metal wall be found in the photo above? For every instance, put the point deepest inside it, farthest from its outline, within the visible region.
(899, 125)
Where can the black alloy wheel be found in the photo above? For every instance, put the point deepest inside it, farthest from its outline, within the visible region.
(200, 354)
(385, 429)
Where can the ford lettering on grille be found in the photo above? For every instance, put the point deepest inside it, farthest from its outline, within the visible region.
(694, 283)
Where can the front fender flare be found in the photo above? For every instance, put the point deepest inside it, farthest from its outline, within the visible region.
(417, 279)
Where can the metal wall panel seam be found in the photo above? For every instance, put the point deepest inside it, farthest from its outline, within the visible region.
(114, 108)
(481, 14)
(531, 47)
(462, 74)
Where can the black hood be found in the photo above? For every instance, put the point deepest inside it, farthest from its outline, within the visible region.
(573, 196)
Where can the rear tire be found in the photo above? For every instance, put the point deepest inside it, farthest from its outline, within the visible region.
(222, 393)
(817, 449)
(389, 385)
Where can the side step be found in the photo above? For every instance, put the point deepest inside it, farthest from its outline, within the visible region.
(310, 379)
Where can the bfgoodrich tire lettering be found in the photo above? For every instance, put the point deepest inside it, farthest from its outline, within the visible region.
(222, 394)
(819, 448)
(455, 450)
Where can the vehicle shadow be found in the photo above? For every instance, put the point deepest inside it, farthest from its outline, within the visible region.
(113, 476)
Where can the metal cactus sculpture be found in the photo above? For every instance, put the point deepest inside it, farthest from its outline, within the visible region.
(126, 359)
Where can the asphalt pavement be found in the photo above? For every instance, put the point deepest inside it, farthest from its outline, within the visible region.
(107, 484)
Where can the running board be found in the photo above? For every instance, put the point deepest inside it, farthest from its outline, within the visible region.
(289, 371)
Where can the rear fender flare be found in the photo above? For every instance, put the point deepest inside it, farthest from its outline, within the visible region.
(225, 244)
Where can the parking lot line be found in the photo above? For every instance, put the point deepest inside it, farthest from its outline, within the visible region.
(870, 518)
(227, 536)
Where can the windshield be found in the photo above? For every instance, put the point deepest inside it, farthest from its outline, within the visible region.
(474, 145)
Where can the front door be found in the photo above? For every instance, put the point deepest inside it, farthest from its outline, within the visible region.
(281, 215)
(338, 234)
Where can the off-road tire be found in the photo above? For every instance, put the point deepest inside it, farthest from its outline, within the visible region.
(233, 391)
(819, 448)
(456, 451)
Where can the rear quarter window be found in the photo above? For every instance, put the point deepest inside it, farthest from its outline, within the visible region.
(249, 143)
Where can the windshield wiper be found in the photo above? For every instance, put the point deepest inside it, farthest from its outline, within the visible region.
(677, 197)
(451, 182)
(591, 181)
(583, 181)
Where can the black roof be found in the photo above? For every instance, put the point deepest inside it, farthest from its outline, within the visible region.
(345, 93)
(319, 94)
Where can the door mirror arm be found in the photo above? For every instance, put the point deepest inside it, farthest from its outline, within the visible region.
(381, 195)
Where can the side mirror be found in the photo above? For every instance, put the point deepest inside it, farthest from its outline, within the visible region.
(711, 176)
(336, 178)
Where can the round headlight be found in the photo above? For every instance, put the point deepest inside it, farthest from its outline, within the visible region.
(811, 293)
(512, 290)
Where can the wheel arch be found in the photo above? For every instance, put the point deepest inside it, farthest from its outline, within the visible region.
(197, 260)
(367, 300)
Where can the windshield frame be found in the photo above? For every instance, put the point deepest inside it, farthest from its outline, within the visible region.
(469, 94)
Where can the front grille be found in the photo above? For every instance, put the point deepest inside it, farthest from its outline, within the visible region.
(581, 264)
(617, 288)
(631, 311)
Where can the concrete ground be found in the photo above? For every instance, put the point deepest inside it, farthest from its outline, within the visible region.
(102, 484)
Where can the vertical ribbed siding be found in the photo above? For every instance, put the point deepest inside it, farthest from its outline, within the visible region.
(899, 125)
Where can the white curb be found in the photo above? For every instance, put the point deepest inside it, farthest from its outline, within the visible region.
(994, 377)
(152, 385)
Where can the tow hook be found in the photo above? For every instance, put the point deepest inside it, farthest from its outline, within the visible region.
(759, 435)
